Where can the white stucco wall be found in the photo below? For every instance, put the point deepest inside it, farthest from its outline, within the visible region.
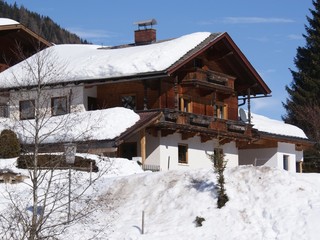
(231, 154)
(75, 94)
(89, 92)
(163, 151)
(289, 150)
(272, 157)
(258, 157)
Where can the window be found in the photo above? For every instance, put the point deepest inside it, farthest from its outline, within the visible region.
(198, 63)
(129, 101)
(185, 104)
(182, 153)
(286, 162)
(128, 150)
(27, 109)
(92, 103)
(59, 106)
(220, 111)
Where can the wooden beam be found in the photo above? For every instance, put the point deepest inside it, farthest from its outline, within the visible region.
(143, 145)
(153, 132)
(205, 138)
(187, 135)
(223, 141)
(166, 132)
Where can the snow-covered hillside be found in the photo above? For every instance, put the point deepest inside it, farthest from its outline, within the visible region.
(264, 203)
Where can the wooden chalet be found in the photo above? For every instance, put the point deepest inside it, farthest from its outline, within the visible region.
(17, 43)
(188, 106)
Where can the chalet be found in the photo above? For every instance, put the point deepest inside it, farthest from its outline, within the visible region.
(17, 42)
(185, 90)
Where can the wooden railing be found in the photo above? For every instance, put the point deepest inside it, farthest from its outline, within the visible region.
(204, 121)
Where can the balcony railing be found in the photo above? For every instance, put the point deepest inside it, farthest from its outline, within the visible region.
(205, 121)
(209, 76)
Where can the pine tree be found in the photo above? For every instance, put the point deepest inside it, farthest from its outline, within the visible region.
(303, 104)
(219, 165)
(42, 25)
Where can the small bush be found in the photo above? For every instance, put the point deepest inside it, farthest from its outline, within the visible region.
(198, 221)
(9, 144)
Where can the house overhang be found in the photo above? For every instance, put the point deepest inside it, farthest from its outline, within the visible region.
(269, 140)
(94, 81)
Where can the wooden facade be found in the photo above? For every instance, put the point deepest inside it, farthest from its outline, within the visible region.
(198, 98)
(17, 43)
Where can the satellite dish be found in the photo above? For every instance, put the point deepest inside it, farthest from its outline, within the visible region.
(243, 115)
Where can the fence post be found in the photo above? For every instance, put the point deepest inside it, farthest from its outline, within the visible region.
(168, 162)
(142, 224)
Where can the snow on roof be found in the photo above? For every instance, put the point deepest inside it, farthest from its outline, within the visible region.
(104, 124)
(7, 21)
(267, 125)
(86, 62)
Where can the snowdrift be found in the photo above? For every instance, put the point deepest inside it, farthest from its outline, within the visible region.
(264, 203)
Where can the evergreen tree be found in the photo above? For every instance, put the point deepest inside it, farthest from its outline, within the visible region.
(303, 104)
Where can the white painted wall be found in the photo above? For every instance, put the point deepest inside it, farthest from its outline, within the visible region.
(258, 157)
(287, 149)
(76, 98)
(89, 92)
(299, 156)
(272, 157)
(163, 151)
(231, 154)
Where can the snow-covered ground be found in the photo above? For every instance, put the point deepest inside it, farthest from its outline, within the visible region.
(264, 203)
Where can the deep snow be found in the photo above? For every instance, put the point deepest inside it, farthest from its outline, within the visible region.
(94, 62)
(264, 203)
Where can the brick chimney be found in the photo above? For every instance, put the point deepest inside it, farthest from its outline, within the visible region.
(146, 35)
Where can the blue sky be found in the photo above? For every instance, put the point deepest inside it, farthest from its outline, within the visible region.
(267, 32)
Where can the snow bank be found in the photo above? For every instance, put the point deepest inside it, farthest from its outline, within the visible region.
(264, 124)
(7, 21)
(264, 203)
(80, 126)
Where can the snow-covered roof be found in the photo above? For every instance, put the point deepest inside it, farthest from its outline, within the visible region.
(7, 21)
(88, 62)
(272, 126)
(104, 124)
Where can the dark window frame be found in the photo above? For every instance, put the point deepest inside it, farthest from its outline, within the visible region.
(24, 105)
(65, 108)
(128, 104)
(183, 153)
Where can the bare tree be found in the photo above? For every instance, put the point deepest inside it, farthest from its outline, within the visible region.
(51, 203)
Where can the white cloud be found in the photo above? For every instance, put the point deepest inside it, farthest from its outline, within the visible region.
(262, 104)
(247, 20)
(295, 37)
(250, 20)
(91, 33)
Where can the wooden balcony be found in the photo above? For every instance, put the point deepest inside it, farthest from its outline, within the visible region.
(191, 120)
(209, 79)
